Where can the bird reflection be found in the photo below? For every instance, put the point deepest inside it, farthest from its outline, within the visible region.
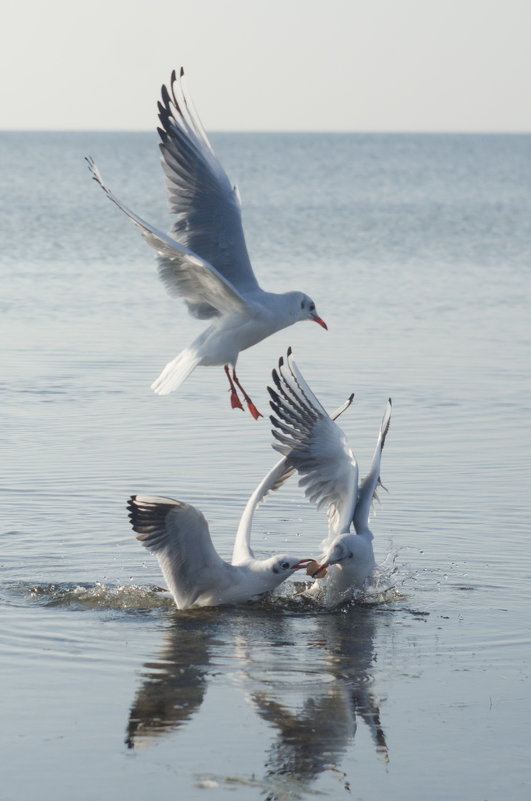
(173, 685)
(336, 672)
(313, 739)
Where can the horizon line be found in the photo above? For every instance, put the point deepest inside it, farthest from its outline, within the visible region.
(299, 132)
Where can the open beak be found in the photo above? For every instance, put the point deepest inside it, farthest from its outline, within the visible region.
(303, 563)
(319, 320)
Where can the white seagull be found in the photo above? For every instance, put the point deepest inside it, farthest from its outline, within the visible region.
(318, 449)
(177, 533)
(205, 259)
(272, 481)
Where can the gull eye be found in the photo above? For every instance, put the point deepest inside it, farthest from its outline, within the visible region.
(285, 565)
(312, 307)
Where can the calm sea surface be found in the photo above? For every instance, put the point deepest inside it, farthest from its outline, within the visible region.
(417, 250)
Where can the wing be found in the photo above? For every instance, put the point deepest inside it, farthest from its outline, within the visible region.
(315, 446)
(369, 485)
(183, 272)
(178, 535)
(279, 474)
(205, 204)
(272, 481)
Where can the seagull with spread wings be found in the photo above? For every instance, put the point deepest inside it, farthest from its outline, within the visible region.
(178, 534)
(315, 446)
(205, 260)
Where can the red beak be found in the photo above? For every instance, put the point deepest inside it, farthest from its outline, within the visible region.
(302, 563)
(320, 321)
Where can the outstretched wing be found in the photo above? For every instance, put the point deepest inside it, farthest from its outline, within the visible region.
(273, 480)
(191, 277)
(178, 535)
(315, 446)
(369, 485)
(205, 204)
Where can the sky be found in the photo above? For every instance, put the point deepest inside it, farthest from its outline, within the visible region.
(302, 65)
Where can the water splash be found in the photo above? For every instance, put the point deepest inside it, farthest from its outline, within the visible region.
(96, 596)
(386, 586)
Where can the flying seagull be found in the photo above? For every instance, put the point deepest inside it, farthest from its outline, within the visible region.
(204, 259)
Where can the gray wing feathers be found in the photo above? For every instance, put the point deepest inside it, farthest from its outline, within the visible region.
(314, 445)
(283, 470)
(206, 206)
(274, 480)
(303, 387)
(178, 534)
(183, 272)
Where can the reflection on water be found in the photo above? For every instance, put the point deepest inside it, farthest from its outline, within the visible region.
(429, 237)
(329, 658)
(173, 684)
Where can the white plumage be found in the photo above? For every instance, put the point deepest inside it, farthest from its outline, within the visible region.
(317, 448)
(178, 534)
(205, 260)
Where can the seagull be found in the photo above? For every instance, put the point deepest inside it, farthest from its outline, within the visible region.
(317, 448)
(271, 482)
(205, 260)
(177, 533)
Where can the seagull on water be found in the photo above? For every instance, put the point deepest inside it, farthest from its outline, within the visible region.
(205, 260)
(317, 448)
(178, 534)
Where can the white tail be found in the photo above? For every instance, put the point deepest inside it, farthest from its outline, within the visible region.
(176, 372)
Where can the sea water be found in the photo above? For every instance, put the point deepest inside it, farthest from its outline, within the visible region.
(417, 251)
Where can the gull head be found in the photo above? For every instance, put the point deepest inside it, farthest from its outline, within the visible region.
(353, 556)
(302, 307)
(282, 565)
(270, 573)
(343, 549)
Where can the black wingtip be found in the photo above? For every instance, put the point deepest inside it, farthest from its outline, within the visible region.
(276, 434)
(181, 73)
(273, 394)
(290, 351)
(390, 402)
(281, 361)
(131, 507)
(275, 408)
(173, 76)
(165, 95)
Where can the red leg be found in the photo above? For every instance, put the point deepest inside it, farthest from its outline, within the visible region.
(235, 402)
(250, 405)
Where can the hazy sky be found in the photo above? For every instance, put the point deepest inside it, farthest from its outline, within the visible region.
(369, 65)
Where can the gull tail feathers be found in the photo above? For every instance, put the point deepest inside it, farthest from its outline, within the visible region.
(176, 371)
